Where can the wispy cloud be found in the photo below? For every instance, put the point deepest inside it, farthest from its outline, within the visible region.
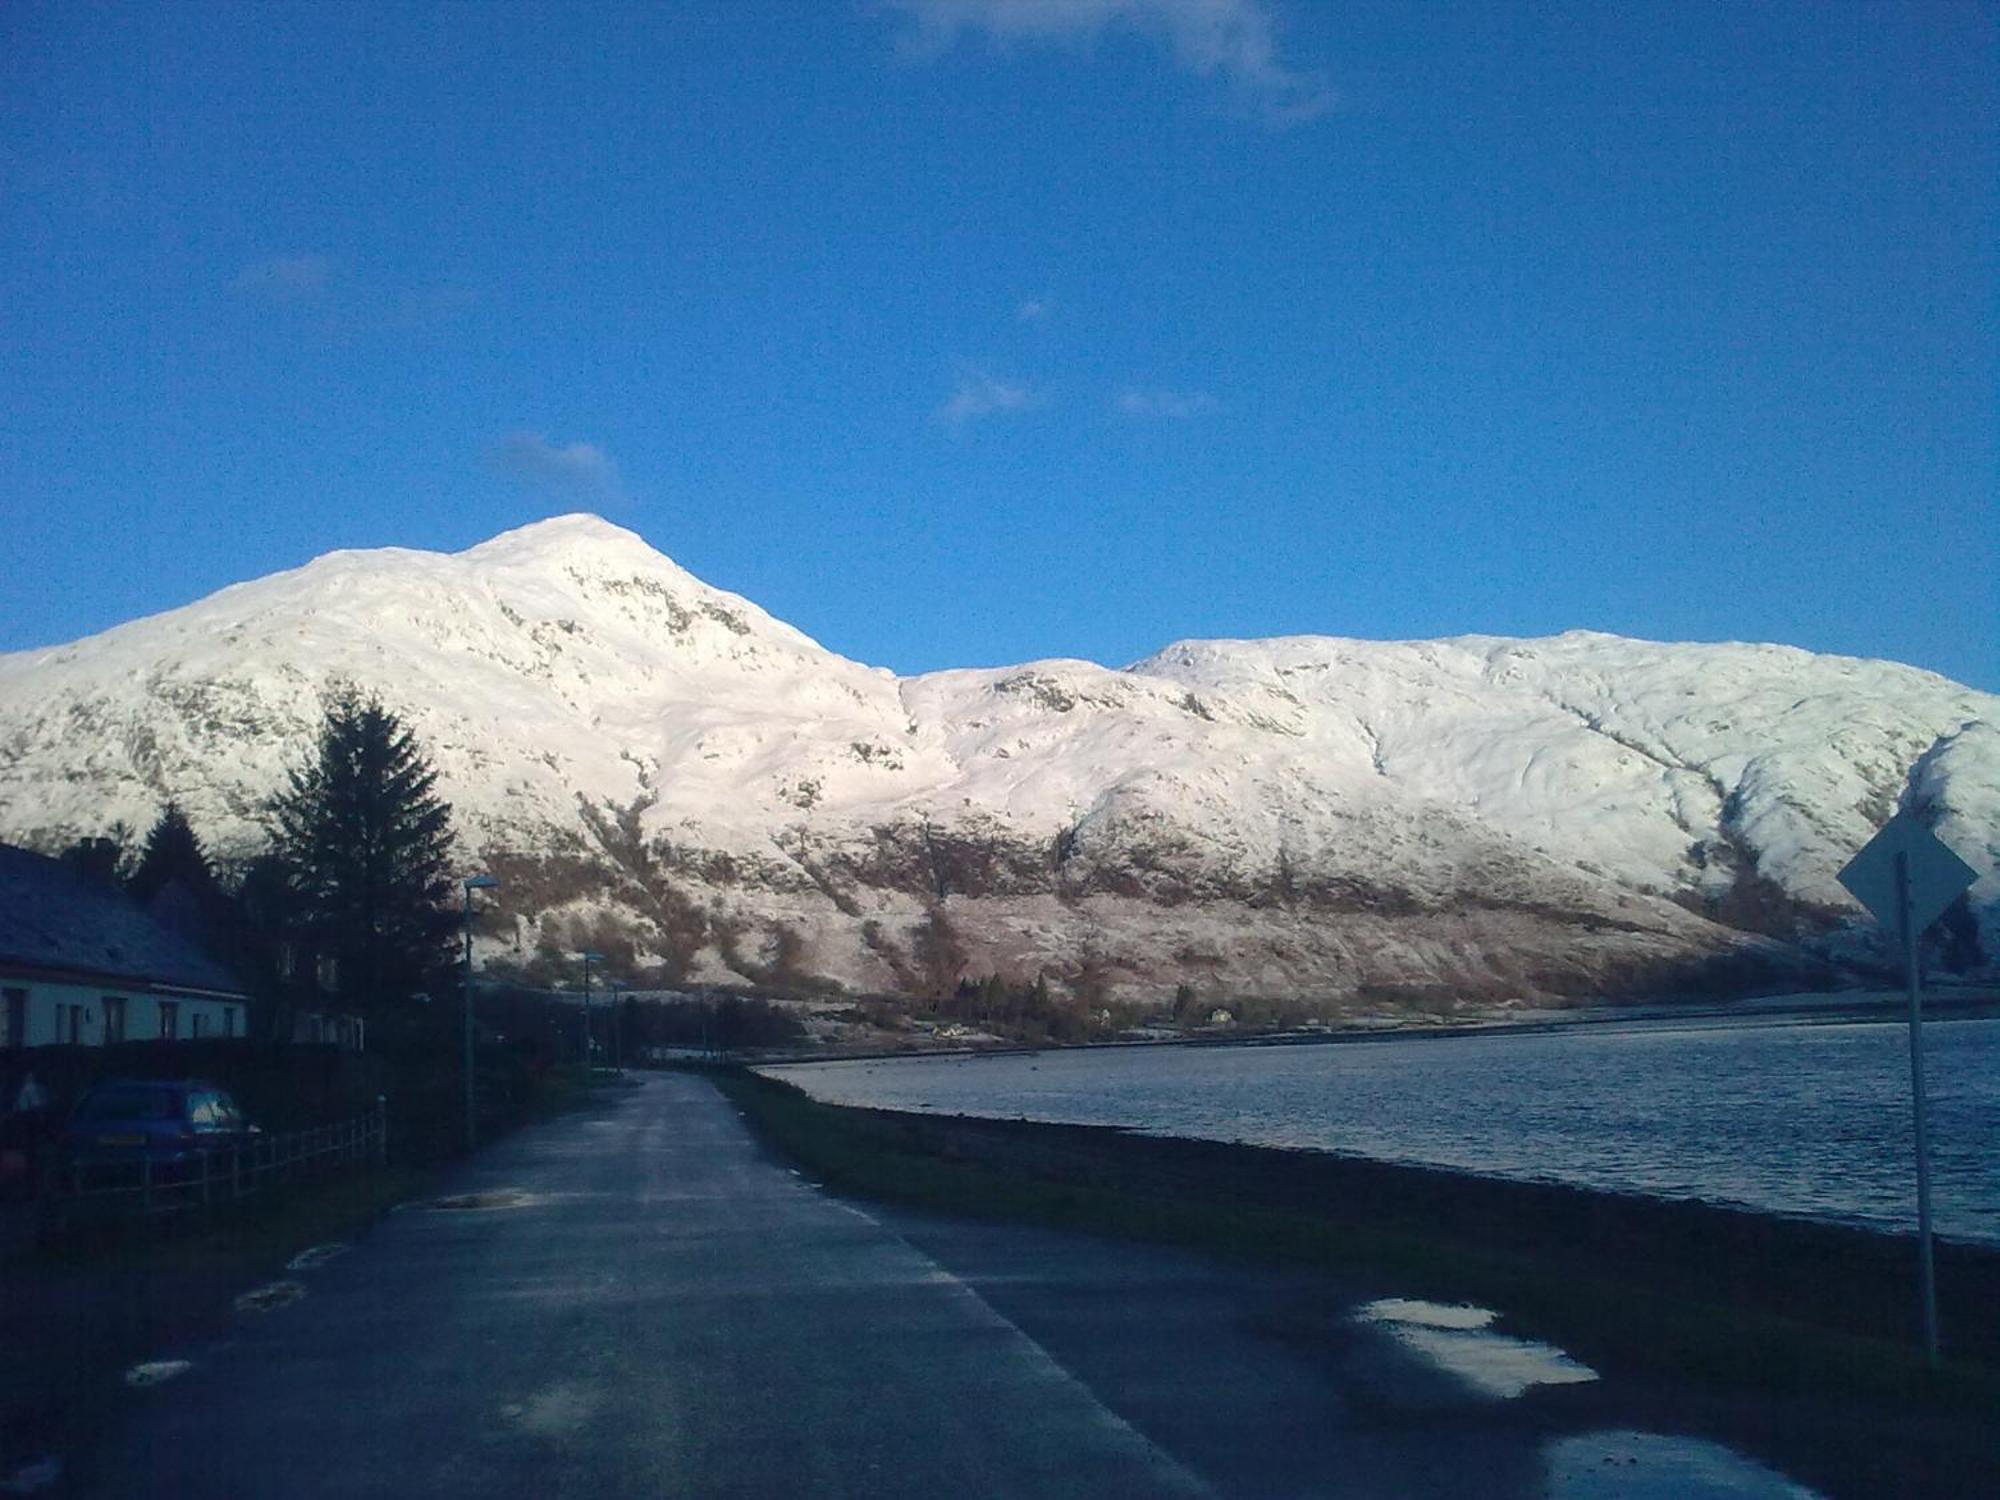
(578, 471)
(1231, 40)
(979, 394)
(287, 278)
(1032, 310)
(326, 296)
(1174, 404)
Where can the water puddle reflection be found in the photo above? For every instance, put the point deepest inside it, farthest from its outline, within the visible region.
(156, 1372)
(317, 1255)
(1652, 1466)
(266, 1298)
(486, 1202)
(1457, 1338)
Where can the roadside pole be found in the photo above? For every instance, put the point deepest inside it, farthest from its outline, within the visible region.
(1907, 876)
(471, 1113)
(1926, 1264)
(472, 883)
(588, 958)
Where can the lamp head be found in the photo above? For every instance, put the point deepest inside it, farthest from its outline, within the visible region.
(481, 883)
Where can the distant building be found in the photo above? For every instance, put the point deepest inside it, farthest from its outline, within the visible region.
(328, 1028)
(308, 994)
(82, 965)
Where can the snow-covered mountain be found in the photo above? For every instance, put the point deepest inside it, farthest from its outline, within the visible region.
(652, 763)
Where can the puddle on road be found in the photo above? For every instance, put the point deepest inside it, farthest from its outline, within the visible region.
(1457, 1339)
(33, 1477)
(1653, 1466)
(265, 1298)
(557, 1412)
(1426, 1314)
(318, 1255)
(156, 1372)
(486, 1202)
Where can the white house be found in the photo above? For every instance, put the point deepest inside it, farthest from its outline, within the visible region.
(81, 965)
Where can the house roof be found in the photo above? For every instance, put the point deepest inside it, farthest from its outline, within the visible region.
(52, 918)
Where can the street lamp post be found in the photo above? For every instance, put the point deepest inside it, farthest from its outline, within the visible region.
(617, 1026)
(588, 960)
(472, 883)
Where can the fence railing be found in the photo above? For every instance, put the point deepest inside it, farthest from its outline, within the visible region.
(86, 1190)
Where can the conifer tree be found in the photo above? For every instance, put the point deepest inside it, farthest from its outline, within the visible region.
(366, 844)
(172, 853)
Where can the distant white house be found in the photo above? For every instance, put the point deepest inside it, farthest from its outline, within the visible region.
(81, 965)
(330, 1028)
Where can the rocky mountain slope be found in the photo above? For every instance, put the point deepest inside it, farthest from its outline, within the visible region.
(664, 771)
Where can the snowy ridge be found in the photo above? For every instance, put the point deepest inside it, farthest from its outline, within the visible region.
(655, 762)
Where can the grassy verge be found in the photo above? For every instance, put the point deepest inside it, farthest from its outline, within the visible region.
(1764, 1333)
(75, 1315)
(78, 1314)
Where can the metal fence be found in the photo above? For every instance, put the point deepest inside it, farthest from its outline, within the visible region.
(98, 1191)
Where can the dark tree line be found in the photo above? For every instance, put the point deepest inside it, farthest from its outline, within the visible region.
(364, 846)
(1030, 1011)
(354, 886)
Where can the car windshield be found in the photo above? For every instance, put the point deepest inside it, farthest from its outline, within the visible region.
(129, 1104)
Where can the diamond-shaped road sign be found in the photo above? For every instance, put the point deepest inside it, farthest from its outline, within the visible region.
(1936, 875)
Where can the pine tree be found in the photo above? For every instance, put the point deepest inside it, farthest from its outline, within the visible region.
(367, 846)
(172, 853)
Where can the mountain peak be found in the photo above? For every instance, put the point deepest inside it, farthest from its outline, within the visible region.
(661, 761)
(562, 534)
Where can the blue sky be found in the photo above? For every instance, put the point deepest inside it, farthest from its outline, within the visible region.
(960, 332)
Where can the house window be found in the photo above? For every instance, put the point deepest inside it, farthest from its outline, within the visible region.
(73, 1032)
(229, 1020)
(170, 1020)
(288, 960)
(329, 973)
(14, 1017)
(114, 1019)
(198, 1018)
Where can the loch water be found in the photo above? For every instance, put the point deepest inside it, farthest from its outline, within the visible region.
(1807, 1120)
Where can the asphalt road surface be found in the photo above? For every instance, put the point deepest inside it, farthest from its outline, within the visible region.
(636, 1300)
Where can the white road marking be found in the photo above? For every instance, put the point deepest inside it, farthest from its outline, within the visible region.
(1174, 1476)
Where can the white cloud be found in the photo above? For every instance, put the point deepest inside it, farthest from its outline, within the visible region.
(1233, 40)
(1176, 404)
(287, 278)
(1032, 310)
(576, 470)
(978, 394)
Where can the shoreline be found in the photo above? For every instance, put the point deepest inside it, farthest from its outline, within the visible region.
(1765, 1252)
(1971, 1229)
(1726, 1316)
(1868, 1007)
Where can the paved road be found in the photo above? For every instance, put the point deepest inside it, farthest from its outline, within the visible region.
(665, 1311)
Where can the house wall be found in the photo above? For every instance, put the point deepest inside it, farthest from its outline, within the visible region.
(50, 1006)
(329, 1028)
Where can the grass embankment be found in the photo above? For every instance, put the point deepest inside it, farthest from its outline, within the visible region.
(1703, 1309)
(77, 1313)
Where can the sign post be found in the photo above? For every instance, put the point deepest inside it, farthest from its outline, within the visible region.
(1906, 878)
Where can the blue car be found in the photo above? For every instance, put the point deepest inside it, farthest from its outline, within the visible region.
(127, 1120)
